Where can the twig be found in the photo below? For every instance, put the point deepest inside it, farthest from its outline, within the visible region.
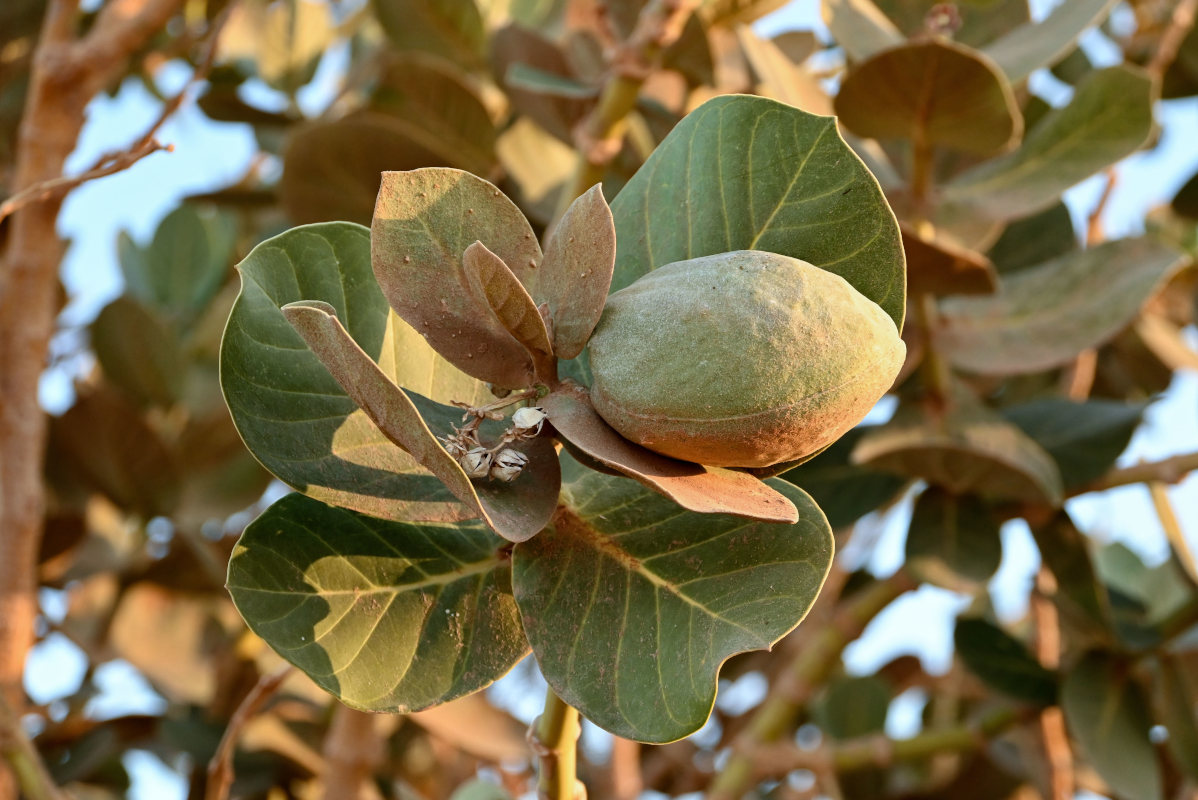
(601, 133)
(879, 750)
(554, 738)
(1052, 720)
(109, 164)
(352, 751)
(220, 768)
(777, 715)
(28, 767)
(1094, 229)
(1169, 470)
(1171, 39)
(1077, 379)
(1173, 531)
(113, 162)
(626, 780)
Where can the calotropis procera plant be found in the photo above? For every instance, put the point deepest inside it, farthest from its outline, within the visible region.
(424, 387)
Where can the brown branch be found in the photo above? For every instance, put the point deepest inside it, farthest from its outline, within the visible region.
(788, 696)
(122, 28)
(108, 164)
(352, 751)
(879, 750)
(1052, 721)
(1169, 470)
(220, 768)
(1173, 530)
(1170, 41)
(1094, 229)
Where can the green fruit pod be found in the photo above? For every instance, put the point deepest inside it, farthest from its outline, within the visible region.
(741, 359)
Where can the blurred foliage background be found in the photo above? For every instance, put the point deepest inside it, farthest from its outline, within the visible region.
(1035, 350)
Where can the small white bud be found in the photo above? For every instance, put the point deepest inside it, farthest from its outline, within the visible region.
(476, 463)
(529, 420)
(508, 465)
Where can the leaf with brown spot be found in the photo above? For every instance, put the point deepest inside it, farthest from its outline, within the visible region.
(516, 510)
(576, 272)
(707, 490)
(423, 222)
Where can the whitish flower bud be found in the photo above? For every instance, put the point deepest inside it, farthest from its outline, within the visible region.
(476, 463)
(529, 420)
(508, 464)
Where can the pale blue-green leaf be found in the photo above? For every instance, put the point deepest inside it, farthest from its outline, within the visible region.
(1038, 44)
(1109, 118)
(859, 27)
(1043, 317)
(1107, 714)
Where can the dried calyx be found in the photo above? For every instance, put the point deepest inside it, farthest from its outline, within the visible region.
(499, 461)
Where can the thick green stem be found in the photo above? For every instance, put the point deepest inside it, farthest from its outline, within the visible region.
(778, 715)
(22, 757)
(601, 134)
(554, 737)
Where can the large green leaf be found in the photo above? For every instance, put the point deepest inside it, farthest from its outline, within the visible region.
(1080, 599)
(184, 265)
(953, 540)
(964, 448)
(1109, 117)
(1107, 714)
(853, 706)
(844, 491)
(138, 352)
(445, 109)
(1043, 317)
(1038, 44)
(384, 615)
(290, 411)
(1003, 661)
(749, 173)
(1034, 240)
(331, 170)
(632, 604)
(935, 92)
(1083, 438)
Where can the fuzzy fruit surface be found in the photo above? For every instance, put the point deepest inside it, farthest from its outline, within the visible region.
(741, 359)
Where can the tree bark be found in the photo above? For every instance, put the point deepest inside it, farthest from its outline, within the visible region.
(66, 73)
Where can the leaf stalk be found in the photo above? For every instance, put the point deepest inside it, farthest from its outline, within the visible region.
(554, 738)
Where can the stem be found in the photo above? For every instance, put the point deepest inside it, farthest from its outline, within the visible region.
(600, 135)
(1173, 531)
(32, 776)
(937, 375)
(220, 768)
(780, 712)
(1169, 470)
(554, 738)
(879, 750)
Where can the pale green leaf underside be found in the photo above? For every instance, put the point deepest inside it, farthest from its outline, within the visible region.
(1107, 715)
(1109, 117)
(386, 616)
(292, 414)
(749, 173)
(1039, 44)
(632, 604)
(1044, 316)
